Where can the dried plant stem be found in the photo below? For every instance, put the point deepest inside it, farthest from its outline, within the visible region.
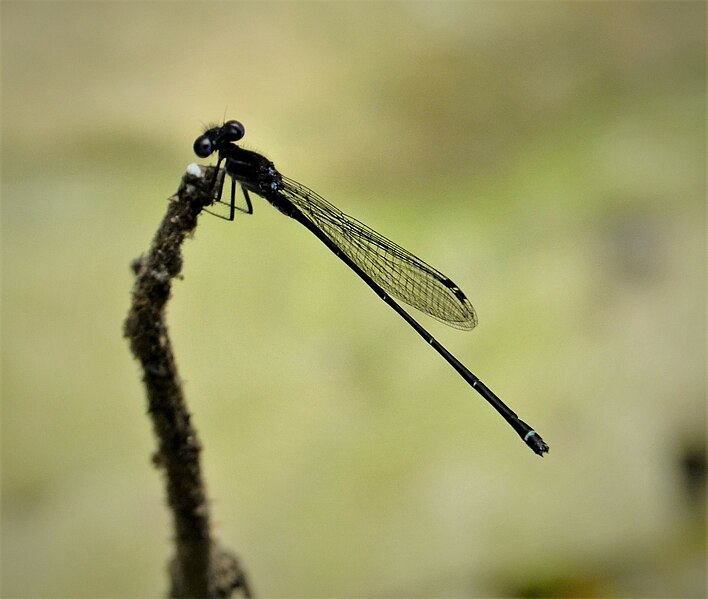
(200, 568)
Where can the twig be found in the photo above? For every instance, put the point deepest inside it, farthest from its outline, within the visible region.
(200, 568)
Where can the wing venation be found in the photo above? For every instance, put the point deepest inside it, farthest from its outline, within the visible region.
(400, 273)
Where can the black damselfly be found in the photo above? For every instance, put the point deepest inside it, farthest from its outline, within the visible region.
(383, 265)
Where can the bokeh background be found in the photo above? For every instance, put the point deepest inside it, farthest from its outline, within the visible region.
(549, 157)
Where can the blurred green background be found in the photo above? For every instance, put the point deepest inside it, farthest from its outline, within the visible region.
(549, 157)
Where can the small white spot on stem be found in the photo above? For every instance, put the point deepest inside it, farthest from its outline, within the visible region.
(161, 276)
(194, 169)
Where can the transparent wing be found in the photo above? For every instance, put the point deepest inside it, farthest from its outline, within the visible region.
(397, 271)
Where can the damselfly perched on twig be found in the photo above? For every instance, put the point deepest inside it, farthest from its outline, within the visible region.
(386, 267)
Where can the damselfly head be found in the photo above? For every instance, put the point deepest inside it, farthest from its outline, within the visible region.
(215, 138)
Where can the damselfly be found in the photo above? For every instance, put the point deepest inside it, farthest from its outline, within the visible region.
(390, 270)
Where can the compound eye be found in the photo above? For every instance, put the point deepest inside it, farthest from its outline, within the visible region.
(203, 146)
(233, 131)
